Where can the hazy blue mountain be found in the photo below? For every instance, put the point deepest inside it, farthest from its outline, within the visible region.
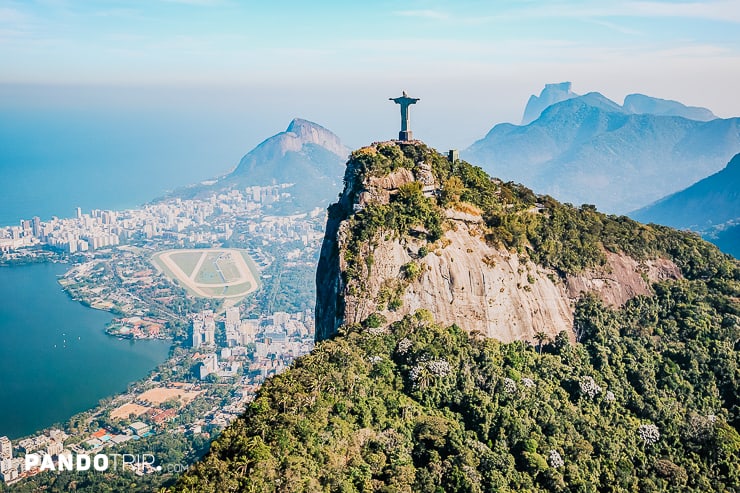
(728, 240)
(710, 206)
(589, 149)
(304, 151)
(551, 94)
(639, 103)
(707, 203)
(306, 154)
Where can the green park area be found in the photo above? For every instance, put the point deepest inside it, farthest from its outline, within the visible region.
(210, 273)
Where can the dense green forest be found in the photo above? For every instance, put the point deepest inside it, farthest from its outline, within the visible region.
(646, 400)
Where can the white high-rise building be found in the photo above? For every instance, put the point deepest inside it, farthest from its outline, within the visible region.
(209, 331)
(6, 448)
(204, 329)
(209, 365)
(197, 332)
(232, 316)
(248, 330)
(54, 447)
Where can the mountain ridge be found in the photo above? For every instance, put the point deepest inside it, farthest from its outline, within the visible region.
(710, 207)
(588, 149)
(633, 104)
(639, 103)
(709, 202)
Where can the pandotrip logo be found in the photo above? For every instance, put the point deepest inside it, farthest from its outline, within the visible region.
(142, 463)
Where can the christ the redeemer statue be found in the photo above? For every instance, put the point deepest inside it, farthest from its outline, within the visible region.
(405, 101)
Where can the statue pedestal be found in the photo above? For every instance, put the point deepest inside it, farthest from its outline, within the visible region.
(405, 135)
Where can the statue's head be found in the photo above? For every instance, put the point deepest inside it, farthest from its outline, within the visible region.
(405, 95)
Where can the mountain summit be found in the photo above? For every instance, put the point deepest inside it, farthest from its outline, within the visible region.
(302, 137)
(423, 258)
(551, 94)
(306, 155)
(401, 239)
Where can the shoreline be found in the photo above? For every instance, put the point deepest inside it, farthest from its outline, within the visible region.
(95, 410)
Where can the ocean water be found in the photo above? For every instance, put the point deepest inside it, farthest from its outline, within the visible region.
(104, 153)
(55, 358)
(54, 160)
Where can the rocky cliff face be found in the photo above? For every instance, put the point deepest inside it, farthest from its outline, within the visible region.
(461, 277)
(551, 94)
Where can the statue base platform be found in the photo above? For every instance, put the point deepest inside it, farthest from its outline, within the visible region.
(405, 135)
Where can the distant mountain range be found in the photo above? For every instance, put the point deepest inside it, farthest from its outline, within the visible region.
(579, 149)
(306, 154)
(589, 149)
(710, 206)
(641, 104)
(633, 103)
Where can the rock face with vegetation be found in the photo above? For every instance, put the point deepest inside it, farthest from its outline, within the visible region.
(640, 393)
(414, 231)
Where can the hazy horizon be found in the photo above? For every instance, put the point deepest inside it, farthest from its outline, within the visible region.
(472, 63)
(187, 87)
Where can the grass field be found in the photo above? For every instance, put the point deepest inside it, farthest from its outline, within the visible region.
(210, 273)
(187, 261)
(219, 269)
(227, 268)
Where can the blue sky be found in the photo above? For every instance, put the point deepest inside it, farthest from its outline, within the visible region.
(473, 63)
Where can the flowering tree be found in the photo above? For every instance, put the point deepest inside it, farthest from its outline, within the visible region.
(649, 433)
(509, 386)
(404, 345)
(528, 382)
(589, 387)
(423, 373)
(555, 460)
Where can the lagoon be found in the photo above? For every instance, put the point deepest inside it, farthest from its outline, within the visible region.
(55, 358)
